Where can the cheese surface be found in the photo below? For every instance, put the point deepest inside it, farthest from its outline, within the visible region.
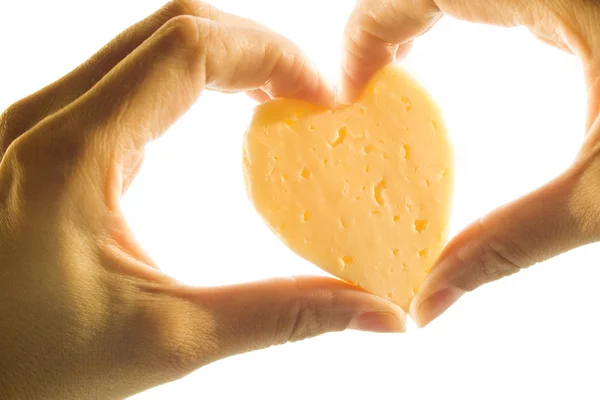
(364, 191)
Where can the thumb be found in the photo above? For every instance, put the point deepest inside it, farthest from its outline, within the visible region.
(208, 324)
(258, 315)
(545, 223)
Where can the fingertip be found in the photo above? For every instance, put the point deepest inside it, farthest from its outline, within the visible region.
(346, 91)
(428, 309)
(368, 312)
(325, 94)
(322, 94)
(376, 314)
(307, 84)
(436, 293)
(403, 50)
(380, 322)
(258, 95)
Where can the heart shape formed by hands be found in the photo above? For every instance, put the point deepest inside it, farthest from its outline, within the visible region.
(363, 191)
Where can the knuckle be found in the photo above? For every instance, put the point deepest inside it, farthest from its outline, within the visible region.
(176, 7)
(285, 60)
(274, 56)
(183, 7)
(498, 258)
(196, 8)
(303, 318)
(23, 154)
(296, 66)
(370, 23)
(183, 30)
(368, 49)
(414, 12)
(49, 153)
(210, 37)
(306, 321)
(494, 264)
(393, 21)
(9, 126)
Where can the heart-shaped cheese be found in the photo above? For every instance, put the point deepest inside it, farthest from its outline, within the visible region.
(362, 191)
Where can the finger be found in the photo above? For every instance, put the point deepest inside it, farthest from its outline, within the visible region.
(403, 50)
(202, 9)
(376, 27)
(26, 113)
(254, 316)
(259, 95)
(161, 79)
(29, 111)
(376, 31)
(550, 221)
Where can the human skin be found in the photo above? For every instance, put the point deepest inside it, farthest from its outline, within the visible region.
(84, 311)
(557, 217)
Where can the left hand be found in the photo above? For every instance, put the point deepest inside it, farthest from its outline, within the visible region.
(84, 312)
(555, 218)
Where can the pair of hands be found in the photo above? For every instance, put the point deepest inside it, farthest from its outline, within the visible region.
(87, 313)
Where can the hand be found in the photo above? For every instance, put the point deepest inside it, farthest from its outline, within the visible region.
(561, 215)
(84, 312)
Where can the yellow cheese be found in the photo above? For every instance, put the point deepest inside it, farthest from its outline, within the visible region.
(363, 191)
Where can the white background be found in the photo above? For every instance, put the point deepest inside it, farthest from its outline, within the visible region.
(516, 111)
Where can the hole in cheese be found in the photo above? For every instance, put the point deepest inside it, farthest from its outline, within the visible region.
(406, 151)
(345, 260)
(407, 103)
(340, 136)
(381, 230)
(378, 191)
(305, 216)
(420, 225)
(346, 186)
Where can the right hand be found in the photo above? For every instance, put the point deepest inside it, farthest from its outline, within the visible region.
(561, 215)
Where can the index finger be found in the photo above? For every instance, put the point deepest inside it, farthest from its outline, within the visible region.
(152, 87)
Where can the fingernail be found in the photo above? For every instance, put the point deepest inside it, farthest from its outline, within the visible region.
(434, 305)
(438, 292)
(382, 322)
